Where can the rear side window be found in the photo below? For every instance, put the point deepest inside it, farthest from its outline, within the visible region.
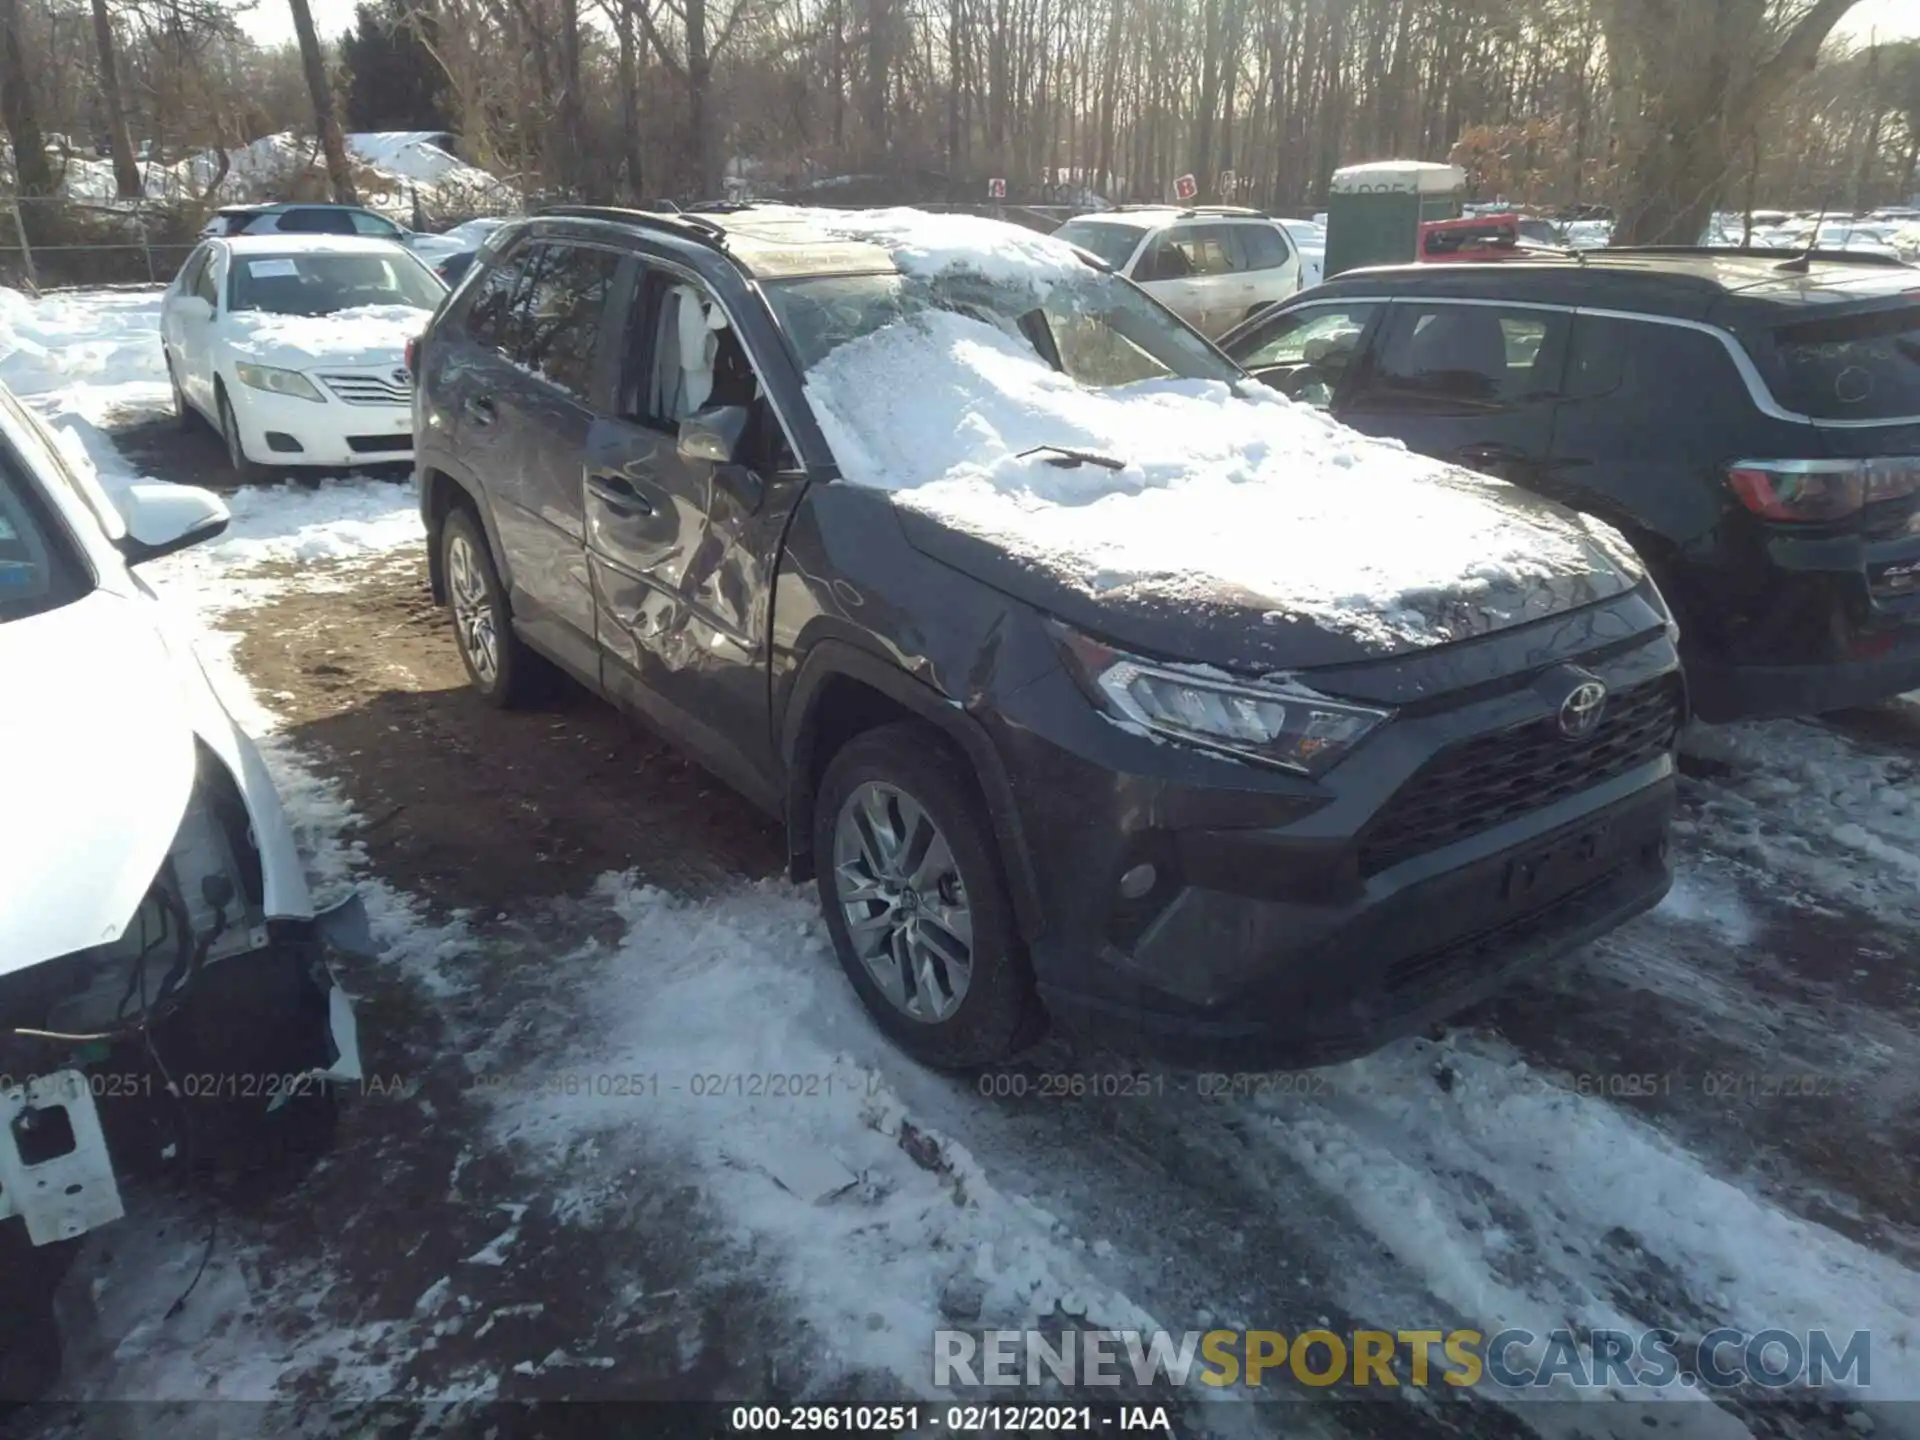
(1474, 355)
(1264, 246)
(1850, 367)
(493, 318)
(1209, 249)
(316, 222)
(365, 224)
(559, 334)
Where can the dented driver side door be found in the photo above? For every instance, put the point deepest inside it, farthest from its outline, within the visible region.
(682, 549)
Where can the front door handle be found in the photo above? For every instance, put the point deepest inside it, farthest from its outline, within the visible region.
(618, 494)
(479, 409)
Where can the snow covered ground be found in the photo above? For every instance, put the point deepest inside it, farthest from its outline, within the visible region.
(1710, 1118)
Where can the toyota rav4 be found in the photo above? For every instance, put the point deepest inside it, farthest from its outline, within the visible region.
(1091, 679)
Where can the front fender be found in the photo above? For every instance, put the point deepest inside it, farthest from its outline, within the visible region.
(830, 659)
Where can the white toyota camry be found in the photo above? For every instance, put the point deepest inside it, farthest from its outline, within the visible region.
(165, 993)
(294, 347)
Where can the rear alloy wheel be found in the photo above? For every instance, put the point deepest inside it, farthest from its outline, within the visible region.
(911, 884)
(245, 470)
(498, 662)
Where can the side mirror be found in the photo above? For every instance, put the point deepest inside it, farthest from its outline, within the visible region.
(192, 307)
(163, 518)
(713, 434)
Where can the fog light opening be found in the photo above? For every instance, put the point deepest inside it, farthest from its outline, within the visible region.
(282, 443)
(1138, 882)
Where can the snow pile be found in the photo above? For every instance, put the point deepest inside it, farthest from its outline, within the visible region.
(391, 167)
(360, 335)
(1524, 1203)
(66, 340)
(1260, 497)
(1801, 798)
(731, 1040)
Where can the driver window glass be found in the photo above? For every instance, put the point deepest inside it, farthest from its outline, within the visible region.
(207, 283)
(190, 272)
(1326, 337)
(694, 361)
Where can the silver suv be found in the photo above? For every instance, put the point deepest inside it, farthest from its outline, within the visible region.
(1212, 265)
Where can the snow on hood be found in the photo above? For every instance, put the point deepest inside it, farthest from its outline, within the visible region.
(363, 335)
(1245, 500)
(103, 763)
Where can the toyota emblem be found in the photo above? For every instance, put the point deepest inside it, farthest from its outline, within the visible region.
(1580, 712)
(400, 375)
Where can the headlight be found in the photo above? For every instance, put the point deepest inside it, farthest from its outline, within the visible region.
(290, 383)
(1286, 726)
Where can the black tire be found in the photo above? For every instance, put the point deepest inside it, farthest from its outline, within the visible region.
(184, 415)
(998, 1015)
(517, 677)
(247, 472)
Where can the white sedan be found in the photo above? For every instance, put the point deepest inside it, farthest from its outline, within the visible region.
(165, 995)
(294, 347)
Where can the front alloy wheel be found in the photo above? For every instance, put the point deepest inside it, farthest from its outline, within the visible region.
(905, 905)
(915, 898)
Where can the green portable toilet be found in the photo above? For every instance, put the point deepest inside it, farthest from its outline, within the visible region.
(1374, 211)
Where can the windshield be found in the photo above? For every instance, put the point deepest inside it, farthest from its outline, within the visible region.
(1112, 242)
(1099, 330)
(320, 283)
(38, 571)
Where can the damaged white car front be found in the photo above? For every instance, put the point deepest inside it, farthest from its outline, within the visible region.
(165, 992)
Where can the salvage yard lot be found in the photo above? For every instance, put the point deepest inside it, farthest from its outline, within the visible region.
(569, 1175)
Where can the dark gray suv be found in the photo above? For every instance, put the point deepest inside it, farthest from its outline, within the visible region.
(1092, 680)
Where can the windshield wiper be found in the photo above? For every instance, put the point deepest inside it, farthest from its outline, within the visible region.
(1067, 459)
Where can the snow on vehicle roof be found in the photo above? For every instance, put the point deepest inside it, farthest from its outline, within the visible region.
(1242, 494)
(916, 242)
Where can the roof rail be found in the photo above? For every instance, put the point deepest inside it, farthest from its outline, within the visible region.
(1184, 209)
(694, 227)
(1759, 252)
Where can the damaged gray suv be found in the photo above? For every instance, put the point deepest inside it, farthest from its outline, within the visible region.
(1093, 682)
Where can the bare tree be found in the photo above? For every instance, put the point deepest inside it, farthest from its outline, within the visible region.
(1695, 77)
(339, 175)
(31, 172)
(126, 169)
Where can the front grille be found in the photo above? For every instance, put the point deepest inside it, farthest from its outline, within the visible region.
(1491, 779)
(375, 444)
(369, 389)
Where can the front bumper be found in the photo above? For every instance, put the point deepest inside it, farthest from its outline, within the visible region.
(1299, 922)
(258, 1033)
(280, 430)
